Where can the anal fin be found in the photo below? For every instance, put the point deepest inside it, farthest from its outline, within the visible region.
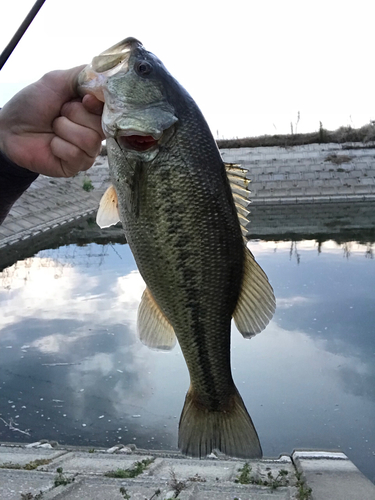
(256, 304)
(153, 327)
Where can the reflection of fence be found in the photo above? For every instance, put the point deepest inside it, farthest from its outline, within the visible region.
(296, 248)
(321, 221)
(58, 259)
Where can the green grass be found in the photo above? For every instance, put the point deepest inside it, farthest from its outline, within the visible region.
(272, 482)
(303, 491)
(29, 466)
(135, 471)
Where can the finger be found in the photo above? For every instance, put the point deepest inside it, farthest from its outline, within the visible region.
(72, 159)
(77, 113)
(92, 104)
(85, 138)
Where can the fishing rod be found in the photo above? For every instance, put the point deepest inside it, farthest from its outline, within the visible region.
(20, 32)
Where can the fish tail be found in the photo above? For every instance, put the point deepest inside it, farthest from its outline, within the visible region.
(231, 431)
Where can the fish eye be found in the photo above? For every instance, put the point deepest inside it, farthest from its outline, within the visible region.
(143, 68)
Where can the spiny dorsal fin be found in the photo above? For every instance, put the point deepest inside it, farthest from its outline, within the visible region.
(153, 327)
(256, 304)
(108, 213)
(239, 183)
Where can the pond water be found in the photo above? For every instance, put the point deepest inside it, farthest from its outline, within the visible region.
(73, 370)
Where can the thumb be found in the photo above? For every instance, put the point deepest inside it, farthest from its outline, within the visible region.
(63, 82)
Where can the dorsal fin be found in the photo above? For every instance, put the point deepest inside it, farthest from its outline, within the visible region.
(256, 304)
(153, 327)
(239, 183)
(108, 213)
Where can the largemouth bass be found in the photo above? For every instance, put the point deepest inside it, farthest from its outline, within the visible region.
(172, 193)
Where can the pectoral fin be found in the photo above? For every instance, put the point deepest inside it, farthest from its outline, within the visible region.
(154, 329)
(256, 304)
(108, 213)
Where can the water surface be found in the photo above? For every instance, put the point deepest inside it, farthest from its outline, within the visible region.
(73, 370)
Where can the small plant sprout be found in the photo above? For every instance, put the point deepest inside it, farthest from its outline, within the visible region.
(87, 185)
(61, 479)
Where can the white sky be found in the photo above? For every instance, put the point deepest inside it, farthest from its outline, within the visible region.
(250, 65)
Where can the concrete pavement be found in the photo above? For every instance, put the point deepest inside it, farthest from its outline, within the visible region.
(311, 173)
(305, 175)
(74, 473)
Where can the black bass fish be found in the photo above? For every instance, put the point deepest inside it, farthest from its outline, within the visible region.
(182, 210)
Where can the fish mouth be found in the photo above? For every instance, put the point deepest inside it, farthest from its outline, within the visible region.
(145, 141)
(137, 142)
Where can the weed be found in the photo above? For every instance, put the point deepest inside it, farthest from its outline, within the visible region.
(87, 185)
(61, 479)
(92, 450)
(338, 159)
(279, 480)
(197, 479)
(244, 477)
(124, 493)
(30, 496)
(177, 486)
(137, 469)
(9, 465)
(303, 491)
(271, 481)
(156, 494)
(29, 466)
(35, 463)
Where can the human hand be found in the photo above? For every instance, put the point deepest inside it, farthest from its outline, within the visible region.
(47, 128)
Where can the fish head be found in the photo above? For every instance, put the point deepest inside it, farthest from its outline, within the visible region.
(131, 82)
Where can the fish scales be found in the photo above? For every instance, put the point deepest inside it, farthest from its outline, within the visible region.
(173, 197)
(184, 260)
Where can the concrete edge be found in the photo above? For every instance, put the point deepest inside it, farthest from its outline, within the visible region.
(42, 228)
(332, 475)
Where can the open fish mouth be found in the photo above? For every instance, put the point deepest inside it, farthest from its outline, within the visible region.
(132, 139)
(138, 142)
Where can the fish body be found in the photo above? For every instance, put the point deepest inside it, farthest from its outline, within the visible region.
(180, 219)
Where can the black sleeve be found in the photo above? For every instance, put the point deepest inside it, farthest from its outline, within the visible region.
(14, 180)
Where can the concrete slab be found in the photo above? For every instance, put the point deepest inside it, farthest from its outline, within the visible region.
(106, 489)
(333, 476)
(185, 469)
(235, 492)
(13, 483)
(93, 463)
(98, 489)
(23, 456)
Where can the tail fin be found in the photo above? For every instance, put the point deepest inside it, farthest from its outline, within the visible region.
(231, 431)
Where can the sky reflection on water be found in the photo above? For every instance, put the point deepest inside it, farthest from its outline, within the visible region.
(72, 369)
